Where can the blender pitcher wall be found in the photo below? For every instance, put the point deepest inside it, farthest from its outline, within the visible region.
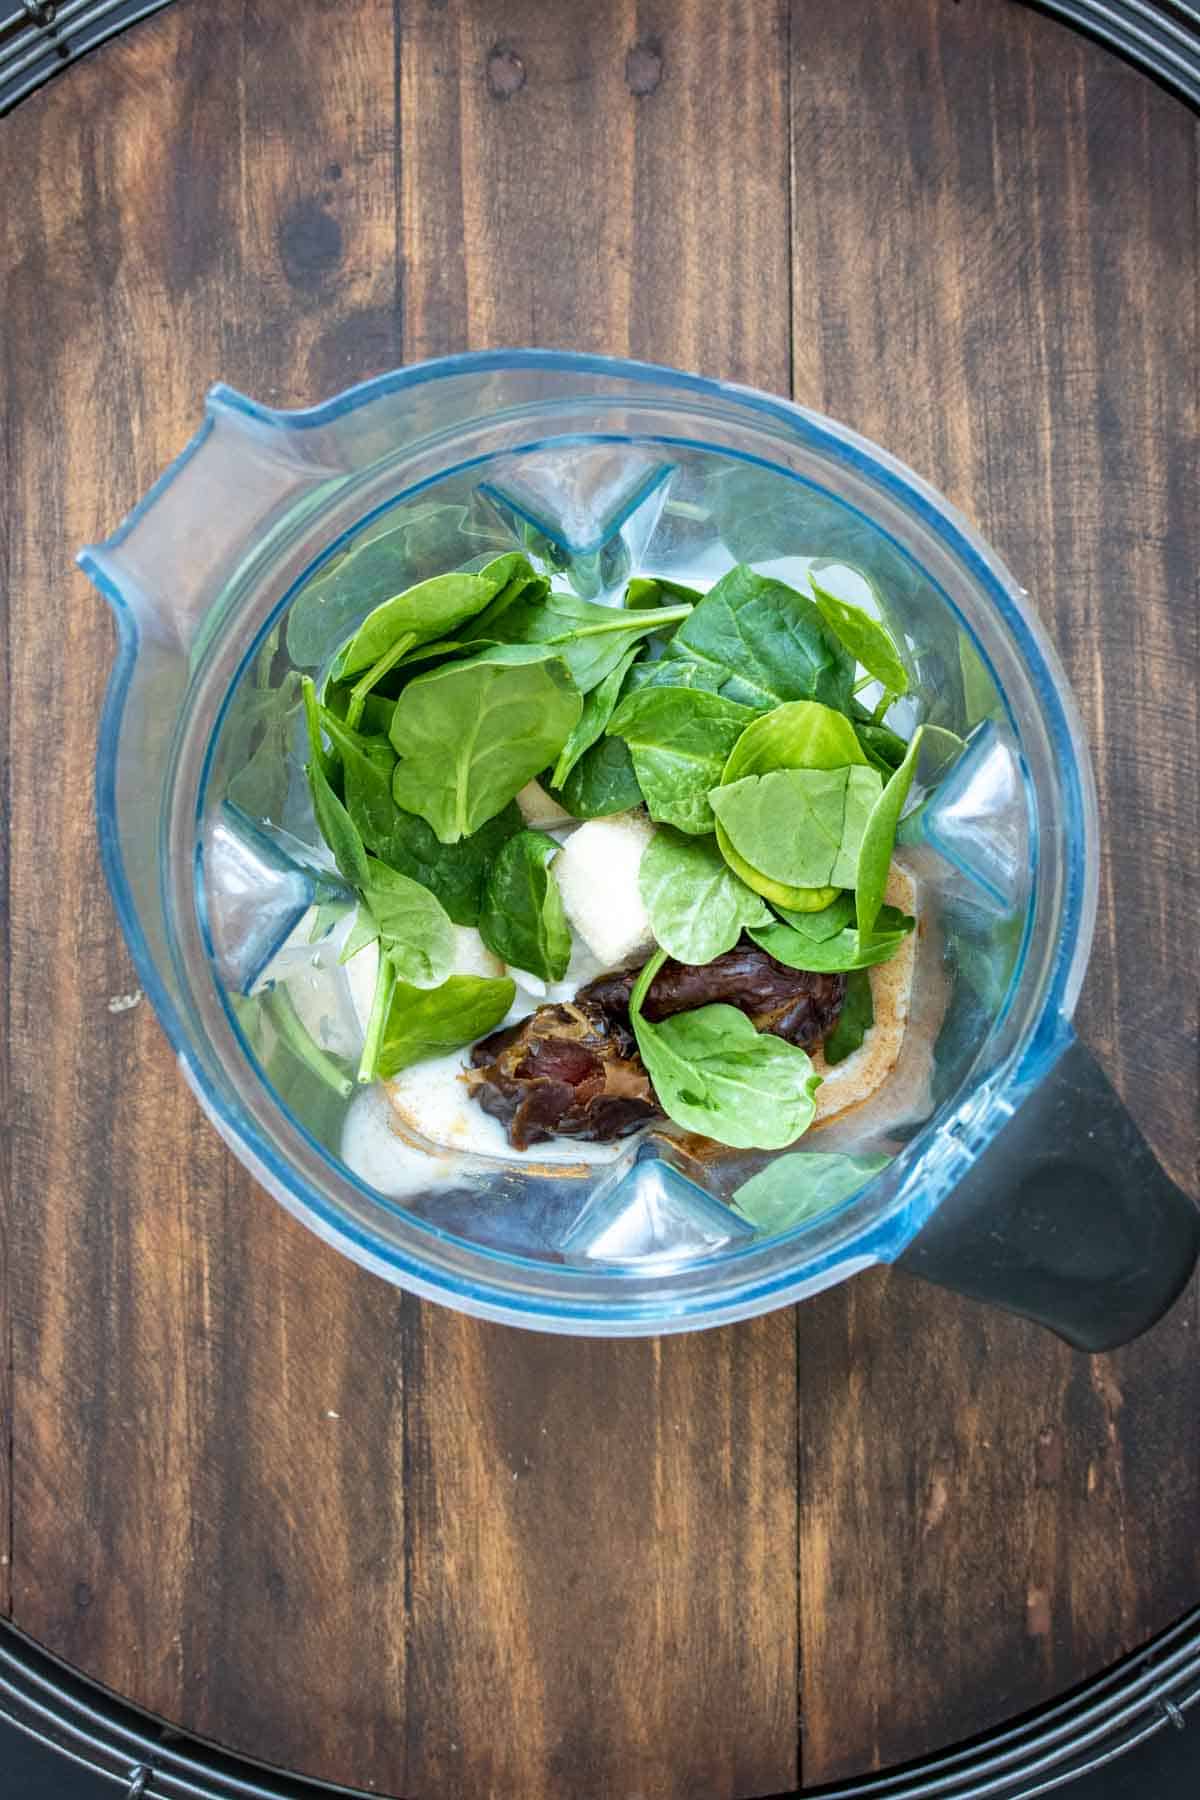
(263, 501)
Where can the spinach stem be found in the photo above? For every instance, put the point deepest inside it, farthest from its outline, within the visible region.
(385, 986)
(635, 621)
(377, 671)
(281, 1010)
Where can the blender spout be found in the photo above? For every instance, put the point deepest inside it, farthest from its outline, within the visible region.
(167, 566)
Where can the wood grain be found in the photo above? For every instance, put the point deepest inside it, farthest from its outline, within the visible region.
(6, 1103)
(208, 1494)
(262, 1493)
(624, 1580)
(996, 266)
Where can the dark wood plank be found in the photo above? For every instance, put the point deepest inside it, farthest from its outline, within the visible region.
(602, 1534)
(209, 1498)
(995, 273)
(6, 1320)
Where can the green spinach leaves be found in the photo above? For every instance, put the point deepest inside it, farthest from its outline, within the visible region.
(879, 839)
(430, 610)
(799, 827)
(602, 782)
(419, 1023)
(854, 1021)
(591, 639)
(679, 739)
(715, 1074)
(867, 641)
(766, 642)
(471, 734)
(796, 1188)
(413, 929)
(847, 949)
(522, 919)
(696, 905)
(598, 709)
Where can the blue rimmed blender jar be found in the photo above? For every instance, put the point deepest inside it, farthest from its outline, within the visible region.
(996, 1160)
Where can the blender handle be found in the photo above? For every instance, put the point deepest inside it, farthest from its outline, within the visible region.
(1067, 1217)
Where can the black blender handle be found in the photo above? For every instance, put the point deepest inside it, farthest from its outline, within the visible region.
(1067, 1217)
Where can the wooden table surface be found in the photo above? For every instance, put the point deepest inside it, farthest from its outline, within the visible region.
(255, 1489)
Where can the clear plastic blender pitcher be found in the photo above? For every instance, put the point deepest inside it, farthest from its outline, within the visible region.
(1015, 1175)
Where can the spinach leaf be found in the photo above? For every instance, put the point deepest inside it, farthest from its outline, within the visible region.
(847, 949)
(818, 926)
(509, 573)
(980, 699)
(673, 672)
(329, 905)
(471, 734)
(591, 639)
(879, 840)
(522, 919)
(869, 642)
(779, 893)
(364, 687)
(597, 711)
(260, 784)
(517, 580)
(333, 821)
(656, 590)
(414, 930)
(325, 760)
(381, 1001)
(801, 1186)
(940, 750)
(364, 931)
(883, 748)
(679, 739)
(377, 709)
(714, 1074)
(823, 924)
(696, 905)
(767, 642)
(854, 1021)
(454, 872)
(409, 545)
(429, 610)
(800, 735)
(367, 767)
(403, 840)
(602, 782)
(863, 788)
(799, 827)
(424, 1022)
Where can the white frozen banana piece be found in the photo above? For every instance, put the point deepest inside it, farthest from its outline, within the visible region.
(582, 968)
(540, 811)
(598, 880)
(472, 956)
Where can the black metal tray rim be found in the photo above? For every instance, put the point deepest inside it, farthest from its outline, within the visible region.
(1152, 1690)
(39, 38)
